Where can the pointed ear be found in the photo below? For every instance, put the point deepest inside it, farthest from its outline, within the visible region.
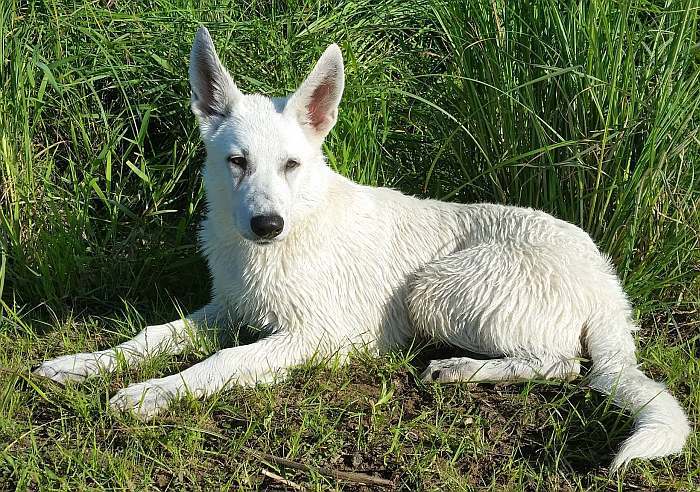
(315, 102)
(213, 90)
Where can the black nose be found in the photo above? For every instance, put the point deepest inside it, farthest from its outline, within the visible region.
(267, 226)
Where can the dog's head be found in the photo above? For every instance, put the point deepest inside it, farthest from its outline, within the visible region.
(265, 169)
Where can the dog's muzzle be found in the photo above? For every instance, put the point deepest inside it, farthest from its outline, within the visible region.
(267, 226)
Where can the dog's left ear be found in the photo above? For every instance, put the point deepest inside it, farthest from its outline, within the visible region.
(213, 91)
(315, 102)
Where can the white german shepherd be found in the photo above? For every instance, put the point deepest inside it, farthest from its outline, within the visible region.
(330, 266)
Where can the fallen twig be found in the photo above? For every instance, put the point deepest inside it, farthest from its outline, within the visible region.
(354, 477)
(282, 480)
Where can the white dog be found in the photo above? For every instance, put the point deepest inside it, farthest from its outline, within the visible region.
(330, 266)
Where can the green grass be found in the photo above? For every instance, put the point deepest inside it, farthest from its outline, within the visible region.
(586, 110)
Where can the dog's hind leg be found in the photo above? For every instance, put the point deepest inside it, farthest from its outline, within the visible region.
(465, 369)
(169, 338)
(518, 305)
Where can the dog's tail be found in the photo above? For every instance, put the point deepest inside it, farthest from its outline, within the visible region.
(660, 424)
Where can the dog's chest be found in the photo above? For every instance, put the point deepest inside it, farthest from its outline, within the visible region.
(324, 290)
(252, 290)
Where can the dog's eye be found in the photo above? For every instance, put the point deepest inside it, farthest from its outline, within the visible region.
(238, 160)
(291, 164)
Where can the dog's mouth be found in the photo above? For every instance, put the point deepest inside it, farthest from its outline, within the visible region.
(262, 241)
(259, 241)
(265, 242)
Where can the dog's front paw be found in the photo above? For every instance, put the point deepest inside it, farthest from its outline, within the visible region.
(147, 399)
(75, 367)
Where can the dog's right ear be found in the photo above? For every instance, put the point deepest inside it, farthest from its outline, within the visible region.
(315, 102)
(213, 91)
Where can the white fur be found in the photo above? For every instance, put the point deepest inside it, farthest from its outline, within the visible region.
(360, 267)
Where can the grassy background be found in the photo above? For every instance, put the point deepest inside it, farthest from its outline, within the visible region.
(586, 110)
